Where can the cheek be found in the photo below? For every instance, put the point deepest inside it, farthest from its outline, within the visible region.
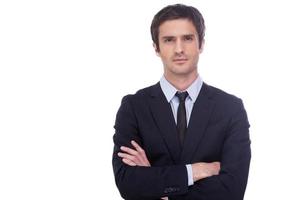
(195, 53)
(165, 56)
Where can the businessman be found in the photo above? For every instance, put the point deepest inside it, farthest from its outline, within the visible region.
(181, 138)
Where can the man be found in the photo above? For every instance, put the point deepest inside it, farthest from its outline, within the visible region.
(181, 138)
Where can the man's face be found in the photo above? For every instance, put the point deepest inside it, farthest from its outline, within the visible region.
(178, 47)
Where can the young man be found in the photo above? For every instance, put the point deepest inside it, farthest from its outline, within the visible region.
(181, 138)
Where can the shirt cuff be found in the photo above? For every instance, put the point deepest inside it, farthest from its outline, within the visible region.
(190, 174)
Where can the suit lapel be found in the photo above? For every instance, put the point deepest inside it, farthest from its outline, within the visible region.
(198, 122)
(163, 116)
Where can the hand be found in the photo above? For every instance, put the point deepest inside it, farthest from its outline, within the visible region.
(134, 157)
(203, 170)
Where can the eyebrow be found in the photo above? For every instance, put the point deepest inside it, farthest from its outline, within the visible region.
(170, 37)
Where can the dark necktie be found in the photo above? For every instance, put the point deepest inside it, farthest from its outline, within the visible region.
(181, 115)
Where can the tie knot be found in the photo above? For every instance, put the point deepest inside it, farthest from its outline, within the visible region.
(182, 95)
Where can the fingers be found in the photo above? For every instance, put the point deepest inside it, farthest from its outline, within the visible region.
(129, 150)
(212, 168)
(126, 156)
(135, 156)
(128, 162)
(217, 164)
(141, 152)
(137, 147)
(131, 158)
(215, 168)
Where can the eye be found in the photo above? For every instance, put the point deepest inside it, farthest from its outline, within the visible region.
(188, 38)
(167, 40)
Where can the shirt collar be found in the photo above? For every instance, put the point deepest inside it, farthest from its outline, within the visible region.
(169, 90)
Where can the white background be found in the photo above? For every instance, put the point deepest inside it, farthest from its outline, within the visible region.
(65, 65)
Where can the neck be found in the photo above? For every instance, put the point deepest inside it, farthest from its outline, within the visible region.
(181, 83)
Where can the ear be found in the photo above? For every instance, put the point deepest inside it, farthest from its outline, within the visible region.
(156, 49)
(202, 46)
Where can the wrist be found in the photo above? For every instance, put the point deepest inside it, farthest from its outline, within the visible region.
(196, 169)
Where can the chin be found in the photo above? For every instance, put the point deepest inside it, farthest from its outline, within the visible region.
(185, 71)
(181, 70)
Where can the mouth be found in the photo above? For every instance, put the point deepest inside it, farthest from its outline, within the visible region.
(180, 60)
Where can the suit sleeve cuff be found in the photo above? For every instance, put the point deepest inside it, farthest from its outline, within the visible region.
(190, 174)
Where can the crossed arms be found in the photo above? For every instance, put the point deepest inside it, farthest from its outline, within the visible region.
(136, 178)
(137, 157)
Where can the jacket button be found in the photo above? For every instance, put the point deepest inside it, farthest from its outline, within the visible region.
(171, 189)
(168, 190)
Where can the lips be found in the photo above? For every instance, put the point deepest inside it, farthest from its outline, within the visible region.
(180, 60)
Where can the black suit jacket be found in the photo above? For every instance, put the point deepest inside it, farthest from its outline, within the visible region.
(218, 130)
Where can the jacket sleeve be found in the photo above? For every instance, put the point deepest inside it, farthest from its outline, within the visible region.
(231, 182)
(142, 182)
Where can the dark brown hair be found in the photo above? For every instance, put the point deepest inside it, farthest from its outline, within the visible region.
(177, 11)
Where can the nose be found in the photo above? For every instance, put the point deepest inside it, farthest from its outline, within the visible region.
(178, 47)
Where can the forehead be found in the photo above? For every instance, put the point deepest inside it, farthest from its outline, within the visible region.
(177, 27)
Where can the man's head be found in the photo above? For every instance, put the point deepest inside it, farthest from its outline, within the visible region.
(177, 11)
(177, 33)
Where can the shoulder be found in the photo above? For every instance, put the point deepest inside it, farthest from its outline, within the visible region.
(219, 94)
(226, 106)
(222, 98)
(142, 94)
